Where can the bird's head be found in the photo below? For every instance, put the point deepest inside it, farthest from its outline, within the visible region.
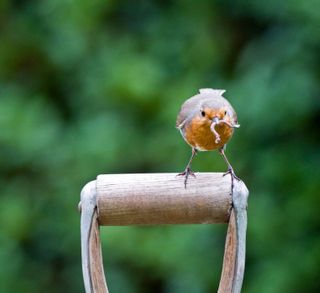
(219, 115)
(213, 116)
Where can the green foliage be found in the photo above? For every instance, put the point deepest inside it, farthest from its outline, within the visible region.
(90, 87)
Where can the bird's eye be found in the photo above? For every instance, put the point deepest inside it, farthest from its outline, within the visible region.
(225, 113)
(203, 113)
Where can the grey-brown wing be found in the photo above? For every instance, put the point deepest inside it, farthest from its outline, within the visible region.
(187, 109)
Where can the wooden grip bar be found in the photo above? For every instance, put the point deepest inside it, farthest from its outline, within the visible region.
(161, 198)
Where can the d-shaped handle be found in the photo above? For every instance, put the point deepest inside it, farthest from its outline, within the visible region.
(154, 199)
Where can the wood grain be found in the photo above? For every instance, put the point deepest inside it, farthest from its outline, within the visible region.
(235, 247)
(230, 258)
(160, 198)
(99, 283)
(92, 265)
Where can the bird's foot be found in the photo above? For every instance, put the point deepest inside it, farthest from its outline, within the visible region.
(233, 176)
(186, 173)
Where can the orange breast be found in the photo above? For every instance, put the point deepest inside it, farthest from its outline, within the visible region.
(199, 135)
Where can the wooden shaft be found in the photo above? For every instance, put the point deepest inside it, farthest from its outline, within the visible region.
(92, 265)
(98, 279)
(235, 247)
(161, 198)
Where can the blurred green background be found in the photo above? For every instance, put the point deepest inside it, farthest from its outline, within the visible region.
(90, 87)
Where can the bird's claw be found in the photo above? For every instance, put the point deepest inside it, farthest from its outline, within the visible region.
(187, 172)
(233, 175)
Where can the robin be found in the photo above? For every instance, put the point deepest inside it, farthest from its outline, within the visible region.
(206, 122)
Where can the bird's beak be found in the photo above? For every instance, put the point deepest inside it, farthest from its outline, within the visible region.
(215, 120)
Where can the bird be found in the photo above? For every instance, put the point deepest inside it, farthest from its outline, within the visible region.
(206, 121)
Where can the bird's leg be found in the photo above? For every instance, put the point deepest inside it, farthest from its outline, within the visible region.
(230, 169)
(188, 170)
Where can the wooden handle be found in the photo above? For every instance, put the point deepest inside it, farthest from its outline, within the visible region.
(161, 198)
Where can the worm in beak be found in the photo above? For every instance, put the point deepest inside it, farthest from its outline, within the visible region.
(216, 121)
